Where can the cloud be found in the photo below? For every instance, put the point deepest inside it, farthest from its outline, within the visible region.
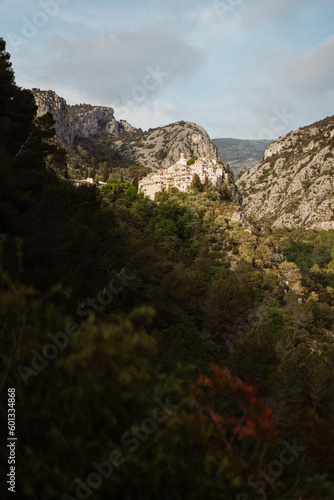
(275, 11)
(309, 72)
(123, 65)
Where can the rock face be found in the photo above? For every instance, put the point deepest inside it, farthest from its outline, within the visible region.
(50, 102)
(241, 154)
(80, 121)
(294, 185)
(87, 121)
(161, 147)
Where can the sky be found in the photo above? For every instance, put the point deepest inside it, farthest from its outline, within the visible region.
(248, 69)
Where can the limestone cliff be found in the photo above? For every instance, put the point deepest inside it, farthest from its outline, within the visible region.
(161, 147)
(87, 120)
(49, 102)
(294, 184)
(79, 121)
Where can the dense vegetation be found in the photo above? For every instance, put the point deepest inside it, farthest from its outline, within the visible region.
(158, 350)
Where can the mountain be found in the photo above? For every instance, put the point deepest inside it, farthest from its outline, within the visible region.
(293, 185)
(241, 154)
(88, 131)
(161, 147)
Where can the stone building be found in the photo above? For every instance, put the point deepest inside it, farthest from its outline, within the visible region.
(180, 175)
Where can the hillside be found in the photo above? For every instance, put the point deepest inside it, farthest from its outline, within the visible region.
(293, 185)
(241, 154)
(161, 147)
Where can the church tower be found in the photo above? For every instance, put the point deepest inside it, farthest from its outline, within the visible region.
(183, 159)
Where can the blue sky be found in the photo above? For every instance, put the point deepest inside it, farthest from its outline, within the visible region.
(240, 68)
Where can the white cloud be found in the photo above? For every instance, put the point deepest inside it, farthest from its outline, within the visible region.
(260, 11)
(309, 72)
(124, 66)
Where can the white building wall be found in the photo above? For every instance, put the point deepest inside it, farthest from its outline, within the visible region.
(180, 175)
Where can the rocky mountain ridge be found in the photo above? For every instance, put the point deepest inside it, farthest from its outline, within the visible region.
(161, 147)
(96, 130)
(294, 185)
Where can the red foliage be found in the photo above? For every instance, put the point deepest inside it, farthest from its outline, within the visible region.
(204, 381)
(253, 419)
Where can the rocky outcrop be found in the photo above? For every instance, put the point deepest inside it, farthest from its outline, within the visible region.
(49, 102)
(79, 121)
(294, 184)
(87, 121)
(161, 147)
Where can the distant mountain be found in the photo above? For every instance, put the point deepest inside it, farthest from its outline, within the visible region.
(241, 154)
(293, 186)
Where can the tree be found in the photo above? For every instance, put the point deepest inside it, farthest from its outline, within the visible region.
(17, 110)
(224, 192)
(192, 160)
(105, 174)
(131, 193)
(196, 183)
(135, 182)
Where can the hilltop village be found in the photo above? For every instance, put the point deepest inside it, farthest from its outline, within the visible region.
(180, 175)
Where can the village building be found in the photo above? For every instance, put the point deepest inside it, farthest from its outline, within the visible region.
(180, 175)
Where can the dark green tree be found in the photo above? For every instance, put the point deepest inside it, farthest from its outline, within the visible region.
(93, 169)
(105, 174)
(135, 182)
(17, 110)
(196, 183)
(192, 160)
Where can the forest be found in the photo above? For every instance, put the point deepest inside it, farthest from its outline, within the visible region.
(156, 349)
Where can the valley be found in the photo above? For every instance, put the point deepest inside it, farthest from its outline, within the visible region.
(167, 329)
